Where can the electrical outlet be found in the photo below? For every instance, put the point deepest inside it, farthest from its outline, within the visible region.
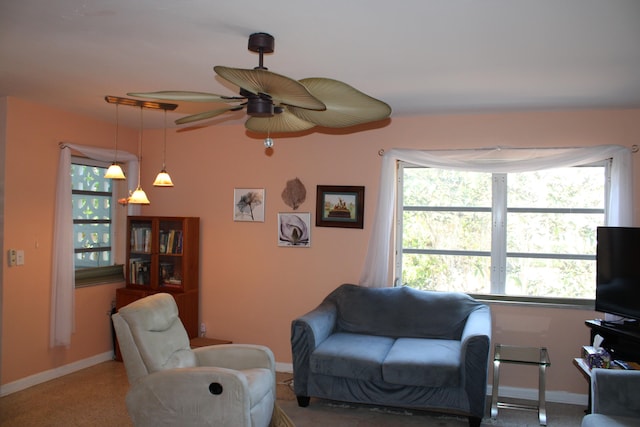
(13, 257)
(203, 329)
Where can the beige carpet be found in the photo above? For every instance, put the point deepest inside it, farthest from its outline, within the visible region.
(95, 397)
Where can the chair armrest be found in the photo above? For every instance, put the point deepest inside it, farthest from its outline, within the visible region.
(236, 356)
(307, 332)
(475, 350)
(183, 397)
(615, 392)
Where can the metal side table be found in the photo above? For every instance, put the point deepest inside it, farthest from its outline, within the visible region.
(533, 356)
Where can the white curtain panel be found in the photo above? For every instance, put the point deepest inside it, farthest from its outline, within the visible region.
(375, 272)
(62, 270)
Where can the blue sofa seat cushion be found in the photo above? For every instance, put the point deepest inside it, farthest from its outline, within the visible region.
(423, 362)
(351, 355)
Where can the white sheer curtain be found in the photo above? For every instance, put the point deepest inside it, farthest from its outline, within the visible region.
(375, 272)
(62, 270)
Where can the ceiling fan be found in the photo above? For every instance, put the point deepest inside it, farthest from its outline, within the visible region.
(276, 103)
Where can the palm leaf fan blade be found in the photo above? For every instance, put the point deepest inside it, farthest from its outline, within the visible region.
(205, 115)
(183, 95)
(281, 89)
(346, 106)
(284, 122)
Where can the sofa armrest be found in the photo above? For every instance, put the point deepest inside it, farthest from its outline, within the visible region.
(236, 356)
(615, 392)
(475, 348)
(171, 397)
(307, 332)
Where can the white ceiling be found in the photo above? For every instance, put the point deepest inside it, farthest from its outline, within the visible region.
(419, 56)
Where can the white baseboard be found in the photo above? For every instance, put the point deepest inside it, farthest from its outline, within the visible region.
(509, 392)
(51, 374)
(284, 367)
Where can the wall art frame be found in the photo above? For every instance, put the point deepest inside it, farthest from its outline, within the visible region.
(340, 206)
(294, 229)
(248, 204)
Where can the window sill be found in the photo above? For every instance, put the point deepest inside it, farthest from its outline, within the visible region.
(99, 276)
(566, 303)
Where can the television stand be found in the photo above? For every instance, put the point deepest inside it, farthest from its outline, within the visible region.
(622, 341)
(625, 324)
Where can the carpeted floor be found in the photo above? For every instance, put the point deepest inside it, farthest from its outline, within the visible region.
(95, 397)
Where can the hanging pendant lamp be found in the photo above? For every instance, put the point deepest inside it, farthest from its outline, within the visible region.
(139, 197)
(163, 179)
(115, 171)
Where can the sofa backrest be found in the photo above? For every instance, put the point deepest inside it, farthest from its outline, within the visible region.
(401, 311)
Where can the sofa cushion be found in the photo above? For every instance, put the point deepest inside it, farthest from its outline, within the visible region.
(423, 362)
(351, 356)
(402, 311)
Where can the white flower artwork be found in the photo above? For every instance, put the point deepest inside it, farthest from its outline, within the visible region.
(294, 230)
(248, 204)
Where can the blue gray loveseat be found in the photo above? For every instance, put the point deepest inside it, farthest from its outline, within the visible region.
(395, 347)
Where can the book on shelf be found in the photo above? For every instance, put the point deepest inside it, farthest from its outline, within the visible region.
(139, 271)
(170, 241)
(141, 239)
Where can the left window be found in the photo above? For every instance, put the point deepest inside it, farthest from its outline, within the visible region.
(93, 222)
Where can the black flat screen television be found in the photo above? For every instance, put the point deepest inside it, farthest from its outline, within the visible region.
(618, 271)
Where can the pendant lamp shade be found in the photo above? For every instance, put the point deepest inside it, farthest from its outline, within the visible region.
(163, 179)
(115, 171)
(139, 197)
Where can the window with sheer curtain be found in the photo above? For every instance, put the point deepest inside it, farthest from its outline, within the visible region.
(63, 274)
(94, 223)
(380, 259)
(523, 234)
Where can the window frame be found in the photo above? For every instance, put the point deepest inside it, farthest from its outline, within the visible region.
(498, 238)
(92, 276)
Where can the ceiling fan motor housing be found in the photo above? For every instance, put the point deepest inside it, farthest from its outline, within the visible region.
(259, 107)
(261, 42)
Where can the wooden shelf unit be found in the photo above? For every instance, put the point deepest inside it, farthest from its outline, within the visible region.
(163, 255)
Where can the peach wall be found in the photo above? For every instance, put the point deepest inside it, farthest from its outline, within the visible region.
(250, 287)
(32, 153)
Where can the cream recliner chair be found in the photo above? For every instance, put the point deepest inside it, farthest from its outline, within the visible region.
(230, 385)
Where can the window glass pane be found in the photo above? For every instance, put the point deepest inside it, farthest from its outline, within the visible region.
(553, 233)
(439, 187)
(91, 207)
(470, 231)
(447, 272)
(565, 278)
(577, 187)
(89, 178)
